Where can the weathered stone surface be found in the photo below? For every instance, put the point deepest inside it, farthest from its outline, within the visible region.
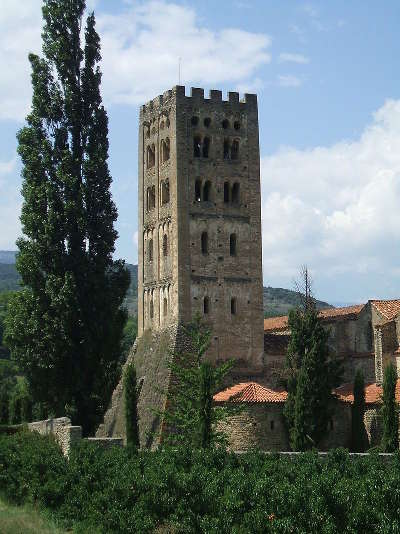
(65, 434)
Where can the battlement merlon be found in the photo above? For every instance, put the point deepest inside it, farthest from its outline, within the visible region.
(197, 95)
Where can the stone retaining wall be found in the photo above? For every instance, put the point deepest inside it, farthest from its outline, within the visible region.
(68, 435)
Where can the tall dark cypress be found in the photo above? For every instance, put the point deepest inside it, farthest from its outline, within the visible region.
(358, 432)
(65, 326)
(131, 411)
(390, 411)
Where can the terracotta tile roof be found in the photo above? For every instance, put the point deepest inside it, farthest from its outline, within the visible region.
(388, 308)
(373, 393)
(250, 392)
(281, 323)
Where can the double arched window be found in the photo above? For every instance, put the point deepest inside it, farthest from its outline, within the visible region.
(201, 146)
(203, 192)
(151, 198)
(231, 149)
(232, 194)
(151, 156)
(204, 243)
(165, 150)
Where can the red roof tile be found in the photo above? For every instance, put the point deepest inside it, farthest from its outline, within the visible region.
(388, 308)
(373, 393)
(281, 323)
(250, 392)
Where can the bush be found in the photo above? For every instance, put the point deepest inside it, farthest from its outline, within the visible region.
(193, 491)
(32, 469)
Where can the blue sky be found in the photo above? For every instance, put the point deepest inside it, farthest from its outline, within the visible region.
(328, 82)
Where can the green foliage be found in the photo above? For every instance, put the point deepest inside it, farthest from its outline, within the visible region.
(8, 381)
(20, 403)
(33, 469)
(129, 336)
(358, 433)
(390, 411)
(190, 417)
(65, 326)
(200, 491)
(311, 376)
(131, 412)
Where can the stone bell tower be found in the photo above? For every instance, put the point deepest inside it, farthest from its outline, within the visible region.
(199, 244)
(200, 221)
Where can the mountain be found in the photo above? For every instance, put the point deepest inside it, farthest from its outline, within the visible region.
(7, 256)
(277, 301)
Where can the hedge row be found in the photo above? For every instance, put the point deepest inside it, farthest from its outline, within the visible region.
(195, 491)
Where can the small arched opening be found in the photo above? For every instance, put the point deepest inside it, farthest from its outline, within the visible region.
(206, 147)
(164, 192)
(233, 306)
(150, 250)
(196, 146)
(232, 244)
(151, 156)
(165, 245)
(236, 193)
(226, 148)
(165, 149)
(226, 192)
(204, 243)
(197, 191)
(235, 149)
(207, 191)
(206, 305)
(165, 307)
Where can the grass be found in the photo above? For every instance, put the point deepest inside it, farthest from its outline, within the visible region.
(24, 520)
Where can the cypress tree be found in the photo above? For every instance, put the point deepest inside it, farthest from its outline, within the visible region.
(311, 374)
(131, 413)
(358, 433)
(191, 417)
(65, 326)
(390, 411)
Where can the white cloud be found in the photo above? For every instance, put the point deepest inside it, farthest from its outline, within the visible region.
(140, 48)
(20, 27)
(336, 208)
(142, 45)
(10, 206)
(288, 80)
(293, 58)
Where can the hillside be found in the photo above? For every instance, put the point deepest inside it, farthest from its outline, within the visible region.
(277, 301)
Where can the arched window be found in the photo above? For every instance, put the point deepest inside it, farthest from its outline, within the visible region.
(226, 148)
(206, 147)
(225, 124)
(165, 306)
(232, 244)
(164, 192)
(226, 192)
(147, 132)
(206, 305)
(235, 149)
(151, 198)
(197, 146)
(165, 245)
(236, 193)
(207, 192)
(271, 425)
(151, 156)
(233, 306)
(150, 250)
(207, 122)
(195, 121)
(165, 149)
(204, 243)
(151, 306)
(197, 190)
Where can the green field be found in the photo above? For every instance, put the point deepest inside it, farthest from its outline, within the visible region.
(24, 520)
